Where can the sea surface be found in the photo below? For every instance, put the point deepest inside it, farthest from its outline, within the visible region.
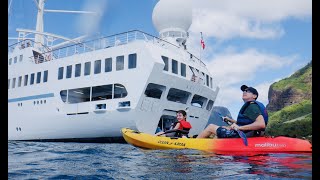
(58, 160)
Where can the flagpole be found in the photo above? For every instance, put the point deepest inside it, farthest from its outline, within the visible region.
(200, 45)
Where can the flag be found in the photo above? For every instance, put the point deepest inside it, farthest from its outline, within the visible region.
(202, 42)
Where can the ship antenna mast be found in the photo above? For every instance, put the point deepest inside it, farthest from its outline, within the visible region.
(39, 26)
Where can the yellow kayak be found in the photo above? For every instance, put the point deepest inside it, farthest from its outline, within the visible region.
(255, 144)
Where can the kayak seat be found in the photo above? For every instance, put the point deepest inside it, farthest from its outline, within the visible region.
(177, 133)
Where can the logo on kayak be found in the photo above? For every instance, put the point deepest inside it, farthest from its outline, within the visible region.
(171, 143)
(270, 145)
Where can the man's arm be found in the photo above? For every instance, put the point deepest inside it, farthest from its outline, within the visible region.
(256, 125)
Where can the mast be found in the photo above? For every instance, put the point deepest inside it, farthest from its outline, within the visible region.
(39, 26)
(39, 32)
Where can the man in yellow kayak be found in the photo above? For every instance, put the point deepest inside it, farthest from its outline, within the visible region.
(181, 127)
(252, 118)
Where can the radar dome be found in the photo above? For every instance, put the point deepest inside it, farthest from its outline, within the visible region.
(172, 15)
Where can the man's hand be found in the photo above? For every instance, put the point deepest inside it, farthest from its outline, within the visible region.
(227, 119)
(234, 126)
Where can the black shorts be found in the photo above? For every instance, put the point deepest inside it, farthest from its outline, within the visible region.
(226, 133)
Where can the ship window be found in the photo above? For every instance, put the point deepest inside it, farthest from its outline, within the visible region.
(13, 82)
(19, 81)
(79, 95)
(77, 71)
(32, 79)
(63, 95)
(132, 61)
(119, 63)
(87, 68)
(174, 66)
(60, 73)
(45, 76)
(97, 66)
(38, 57)
(177, 95)
(10, 61)
(211, 82)
(154, 90)
(166, 63)
(69, 71)
(198, 101)
(119, 91)
(21, 57)
(25, 80)
(209, 105)
(108, 65)
(183, 70)
(8, 83)
(207, 80)
(38, 77)
(15, 59)
(202, 78)
(101, 92)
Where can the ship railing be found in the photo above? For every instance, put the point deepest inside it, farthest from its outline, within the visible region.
(102, 43)
(45, 52)
(21, 45)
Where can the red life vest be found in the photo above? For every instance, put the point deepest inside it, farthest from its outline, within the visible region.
(184, 125)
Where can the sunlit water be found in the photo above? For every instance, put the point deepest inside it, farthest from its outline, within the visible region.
(47, 160)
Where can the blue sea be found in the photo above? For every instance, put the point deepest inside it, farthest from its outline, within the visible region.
(58, 160)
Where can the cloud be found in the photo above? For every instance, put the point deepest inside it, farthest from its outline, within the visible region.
(225, 26)
(230, 68)
(89, 23)
(246, 18)
(231, 96)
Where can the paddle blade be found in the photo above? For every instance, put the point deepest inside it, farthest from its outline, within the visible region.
(243, 136)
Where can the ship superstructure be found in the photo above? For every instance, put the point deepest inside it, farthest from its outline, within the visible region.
(89, 90)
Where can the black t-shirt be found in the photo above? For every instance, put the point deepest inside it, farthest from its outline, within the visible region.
(252, 111)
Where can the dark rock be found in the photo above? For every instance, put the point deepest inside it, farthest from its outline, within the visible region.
(215, 118)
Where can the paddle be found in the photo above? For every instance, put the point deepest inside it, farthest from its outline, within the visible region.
(241, 134)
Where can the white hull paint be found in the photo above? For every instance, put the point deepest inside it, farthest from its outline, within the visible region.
(39, 111)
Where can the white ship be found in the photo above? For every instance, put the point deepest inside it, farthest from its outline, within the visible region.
(88, 90)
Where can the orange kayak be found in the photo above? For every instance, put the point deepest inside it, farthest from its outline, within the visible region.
(255, 144)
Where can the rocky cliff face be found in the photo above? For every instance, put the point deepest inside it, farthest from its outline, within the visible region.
(286, 97)
(294, 89)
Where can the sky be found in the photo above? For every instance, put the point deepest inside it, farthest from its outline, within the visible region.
(250, 42)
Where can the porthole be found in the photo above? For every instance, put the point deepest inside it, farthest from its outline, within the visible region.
(44, 101)
(41, 102)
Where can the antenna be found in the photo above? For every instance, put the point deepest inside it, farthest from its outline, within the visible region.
(39, 26)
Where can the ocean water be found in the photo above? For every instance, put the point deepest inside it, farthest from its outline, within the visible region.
(58, 160)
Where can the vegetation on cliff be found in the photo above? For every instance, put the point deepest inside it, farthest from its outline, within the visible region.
(299, 80)
(294, 120)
